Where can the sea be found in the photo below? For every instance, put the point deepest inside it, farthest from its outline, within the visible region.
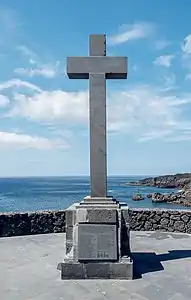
(57, 193)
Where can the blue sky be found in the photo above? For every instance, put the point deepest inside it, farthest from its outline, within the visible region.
(44, 115)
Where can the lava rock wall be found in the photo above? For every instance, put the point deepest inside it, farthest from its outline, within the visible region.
(42, 222)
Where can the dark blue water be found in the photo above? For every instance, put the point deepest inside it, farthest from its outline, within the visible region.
(52, 193)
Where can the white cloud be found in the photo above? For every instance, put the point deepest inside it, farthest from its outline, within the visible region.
(180, 138)
(144, 107)
(44, 71)
(186, 56)
(134, 110)
(15, 140)
(39, 68)
(154, 134)
(169, 82)
(164, 60)
(186, 46)
(60, 132)
(17, 83)
(31, 55)
(4, 101)
(52, 106)
(131, 32)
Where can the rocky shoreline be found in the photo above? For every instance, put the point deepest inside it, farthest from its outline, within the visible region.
(179, 181)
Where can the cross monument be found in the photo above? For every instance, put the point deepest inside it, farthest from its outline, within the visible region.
(97, 68)
(97, 228)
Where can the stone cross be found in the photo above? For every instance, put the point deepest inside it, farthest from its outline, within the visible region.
(97, 68)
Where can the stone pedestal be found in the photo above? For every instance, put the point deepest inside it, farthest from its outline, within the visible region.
(97, 241)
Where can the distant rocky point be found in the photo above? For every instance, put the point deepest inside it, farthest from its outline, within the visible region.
(165, 181)
(181, 181)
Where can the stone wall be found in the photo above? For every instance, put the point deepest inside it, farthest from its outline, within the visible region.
(160, 219)
(13, 224)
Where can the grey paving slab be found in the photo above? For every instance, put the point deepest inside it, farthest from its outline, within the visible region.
(28, 270)
(179, 297)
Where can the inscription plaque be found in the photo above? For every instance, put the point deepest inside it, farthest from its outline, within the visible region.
(97, 242)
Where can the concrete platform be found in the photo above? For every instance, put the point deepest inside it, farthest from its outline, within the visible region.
(28, 270)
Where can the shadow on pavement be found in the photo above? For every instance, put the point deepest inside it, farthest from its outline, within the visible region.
(146, 262)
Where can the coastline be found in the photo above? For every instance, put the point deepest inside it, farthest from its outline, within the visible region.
(58, 193)
(180, 181)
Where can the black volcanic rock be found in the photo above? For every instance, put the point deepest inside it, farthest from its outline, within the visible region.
(149, 195)
(137, 197)
(165, 181)
(180, 181)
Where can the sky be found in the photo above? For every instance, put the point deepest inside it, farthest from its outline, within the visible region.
(44, 129)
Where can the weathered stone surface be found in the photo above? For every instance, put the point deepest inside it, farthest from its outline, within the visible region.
(96, 215)
(41, 223)
(188, 227)
(69, 246)
(104, 215)
(71, 215)
(125, 241)
(69, 233)
(99, 234)
(185, 218)
(179, 226)
(160, 219)
(14, 224)
(101, 270)
(125, 232)
(125, 215)
(54, 221)
(97, 242)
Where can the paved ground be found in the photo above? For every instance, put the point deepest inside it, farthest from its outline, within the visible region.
(28, 270)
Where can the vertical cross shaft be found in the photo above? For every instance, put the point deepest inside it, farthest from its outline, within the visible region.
(97, 116)
(97, 68)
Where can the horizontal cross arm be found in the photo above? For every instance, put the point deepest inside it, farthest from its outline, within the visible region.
(112, 67)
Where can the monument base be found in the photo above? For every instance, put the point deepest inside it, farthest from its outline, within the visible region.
(108, 202)
(97, 270)
(97, 241)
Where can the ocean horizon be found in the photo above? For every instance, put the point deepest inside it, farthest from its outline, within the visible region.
(34, 193)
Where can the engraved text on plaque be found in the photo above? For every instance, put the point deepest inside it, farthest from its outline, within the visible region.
(97, 242)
